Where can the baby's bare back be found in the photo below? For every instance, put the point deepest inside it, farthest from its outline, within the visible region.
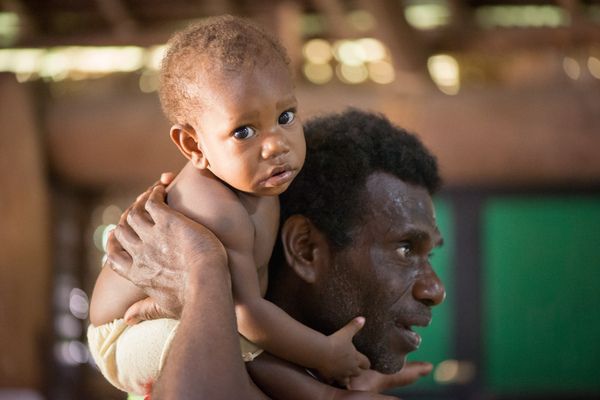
(243, 222)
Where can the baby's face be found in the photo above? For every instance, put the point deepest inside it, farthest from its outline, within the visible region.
(250, 131)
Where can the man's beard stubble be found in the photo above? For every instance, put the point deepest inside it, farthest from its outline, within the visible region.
(349, 296)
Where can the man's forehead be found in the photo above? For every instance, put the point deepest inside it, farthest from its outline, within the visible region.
(400, 206)
(392, 192)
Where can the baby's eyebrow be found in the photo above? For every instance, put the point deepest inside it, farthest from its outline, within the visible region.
(290, 100)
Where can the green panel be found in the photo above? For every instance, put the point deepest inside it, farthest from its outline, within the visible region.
(542, 295)
(437, 337)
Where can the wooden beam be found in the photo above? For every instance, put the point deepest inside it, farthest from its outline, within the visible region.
(124, 25)
(544, 136)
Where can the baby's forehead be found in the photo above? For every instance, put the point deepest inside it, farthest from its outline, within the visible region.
(214, 61)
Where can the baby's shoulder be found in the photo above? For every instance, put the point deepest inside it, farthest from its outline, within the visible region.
(203, 197)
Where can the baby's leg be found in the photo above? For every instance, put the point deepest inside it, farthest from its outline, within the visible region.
(112, 296)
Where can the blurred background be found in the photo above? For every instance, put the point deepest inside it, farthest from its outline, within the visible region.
(505, 93)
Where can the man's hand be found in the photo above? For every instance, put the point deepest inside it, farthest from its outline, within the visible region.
(374, 381)
(344, 361)
(153, 246)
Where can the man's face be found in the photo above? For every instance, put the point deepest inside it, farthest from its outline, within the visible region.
(250, 130)
(385, 275)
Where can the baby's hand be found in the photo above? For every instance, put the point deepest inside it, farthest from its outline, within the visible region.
(344, 361)
(145, 310)
(373, 381)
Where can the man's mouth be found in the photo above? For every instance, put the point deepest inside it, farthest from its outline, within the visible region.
(405, 328)
(412, 339)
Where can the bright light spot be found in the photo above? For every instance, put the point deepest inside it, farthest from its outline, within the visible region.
(78, 303)
(317, 51)
(55, 64)
(111, 215)
(105, 234)
(453, 371)
(154, 56)
(381, 72)
(352, 73)
(444, 71)
(71, 352)
(571, 67)
(318, 73)
(9, 28)
(446, 371)
(71, 62)
(594, 67)
(349, 53)
(63, 355)
(78, 352)
(106, 59)
(66, 325)
(362, 21)
(521, 16)
(313, 24)
(427, 16)
(373, 49)
(149, 81)
(99, 237)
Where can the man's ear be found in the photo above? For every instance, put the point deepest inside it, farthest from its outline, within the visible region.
(186, 138)
(305, 247)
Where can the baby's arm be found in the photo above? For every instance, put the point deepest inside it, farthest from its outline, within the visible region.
(282, 380)
(265, 324)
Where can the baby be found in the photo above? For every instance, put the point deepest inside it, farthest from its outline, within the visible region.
(226, 86)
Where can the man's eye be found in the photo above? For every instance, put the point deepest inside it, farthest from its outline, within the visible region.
(244, 132)
(286, 118)
(404, 251)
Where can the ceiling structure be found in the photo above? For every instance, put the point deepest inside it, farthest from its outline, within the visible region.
(47, 23)
(549, 51)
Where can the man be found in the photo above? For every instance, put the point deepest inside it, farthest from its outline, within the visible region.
(358, 226)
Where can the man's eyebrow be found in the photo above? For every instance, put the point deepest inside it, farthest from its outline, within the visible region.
(418, 234)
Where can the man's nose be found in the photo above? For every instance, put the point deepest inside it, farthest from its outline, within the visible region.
(274, 144)
(428, 288)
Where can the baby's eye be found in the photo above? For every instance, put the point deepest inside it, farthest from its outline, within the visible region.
(404, 251)
(244, 132)
(286, 118)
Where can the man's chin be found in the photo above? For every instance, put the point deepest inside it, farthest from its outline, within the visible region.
(388, 363)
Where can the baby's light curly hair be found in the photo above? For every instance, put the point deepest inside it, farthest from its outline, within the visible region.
(215, 45)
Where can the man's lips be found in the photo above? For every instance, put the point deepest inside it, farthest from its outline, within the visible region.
(412, 339)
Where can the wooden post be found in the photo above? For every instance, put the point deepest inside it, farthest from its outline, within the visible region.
(24, 241)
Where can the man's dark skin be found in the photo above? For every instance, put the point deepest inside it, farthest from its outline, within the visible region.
(385, 276)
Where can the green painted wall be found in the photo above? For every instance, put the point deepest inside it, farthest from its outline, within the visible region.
(541, 291)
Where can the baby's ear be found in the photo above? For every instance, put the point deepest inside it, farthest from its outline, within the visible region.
(186, 138)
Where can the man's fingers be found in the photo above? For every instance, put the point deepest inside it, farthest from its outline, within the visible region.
(118, 259)
(167, 177)
(156, 206)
